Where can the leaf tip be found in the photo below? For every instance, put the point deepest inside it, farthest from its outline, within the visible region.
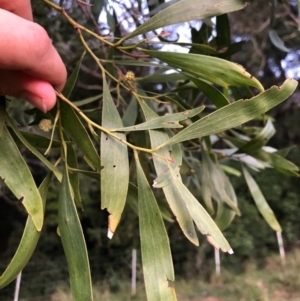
(110, 234)
(230, 251)
(113, 221)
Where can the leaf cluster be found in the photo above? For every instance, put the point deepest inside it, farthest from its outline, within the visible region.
(180, 140)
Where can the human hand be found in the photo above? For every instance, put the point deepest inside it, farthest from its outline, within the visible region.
(30, 67)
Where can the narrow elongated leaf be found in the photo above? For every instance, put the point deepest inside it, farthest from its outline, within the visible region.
(176, 204)
(92, 174)
(132, 198)
(236, 113)
(259, 140)
(187, 10)
(132, 201)
(202, 219)
(72, 124)
(161, 77)
(212, 69)
(278, 162)
(73, 243)
(27, 244)
(87, 101)
(127, 62)
(97, 7)
(276, 41)
(24, 141)
(223, 38)
(226, 212)
(285, 151)
(74, 176)
(260, 201)
(114, 160)
(166, 121)
(221, 191)
(130, 114)
(212, 93)
(17, 176)
(206, 182)
(77, 132)
(70, 84)
(231, 170)
(156, 253)
(36, 140)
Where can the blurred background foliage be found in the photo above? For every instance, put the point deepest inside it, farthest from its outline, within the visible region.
(249, 235)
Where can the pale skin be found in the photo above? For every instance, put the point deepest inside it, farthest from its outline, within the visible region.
(30, 67)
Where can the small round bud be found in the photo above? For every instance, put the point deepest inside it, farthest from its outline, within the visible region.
(45, 125)
(130, 76)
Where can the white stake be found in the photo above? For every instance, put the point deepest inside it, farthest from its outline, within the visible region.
(217, 261)
(133, 272)
(281, 247)
(17, 288)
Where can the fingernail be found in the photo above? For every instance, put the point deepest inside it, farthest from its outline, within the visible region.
(35, 100)
(44, 108)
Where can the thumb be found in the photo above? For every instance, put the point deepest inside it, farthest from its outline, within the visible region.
(39, 93)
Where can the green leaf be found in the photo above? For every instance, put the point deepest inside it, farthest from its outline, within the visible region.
(144, 63)
(73, 243)
(132, 201)
(114, 160)
(212, 69)
(260, 201)
(74, 176)
(130, 114)
(77, 132)
(97, 7)
(236, 113)
(223, 38)
(35, 140)
(161, 77)
(24, 141)
(27, 244)
(285, 151)
(91, 174)
(231, 170)
(276, 41)
(166, 121)
(18, 178)
(221, 190)
(225, 212)
(156, 253)
(202, 219)
(176, 204)
(187, 10)
(279, 163)
(259, 140)
(70, 84)
(212, 93)
(87, 101)
(132, 198)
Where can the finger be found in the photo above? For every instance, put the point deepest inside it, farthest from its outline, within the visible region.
(28, 48)
(38, 92)
(21, 8)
